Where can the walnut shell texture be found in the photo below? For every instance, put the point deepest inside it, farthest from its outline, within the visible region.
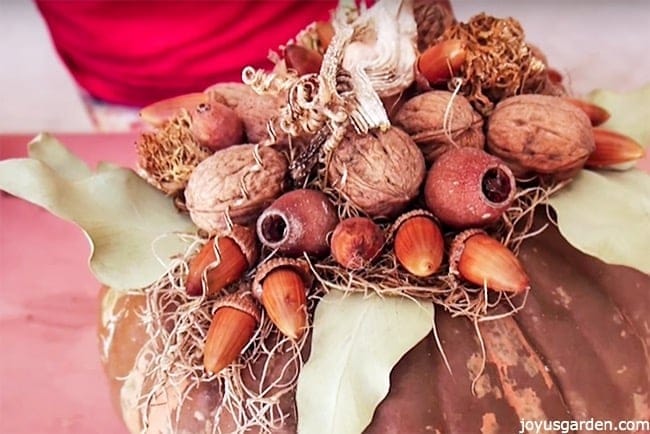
(541, 134)
(423, 118)
(232, 181)
(379, 172)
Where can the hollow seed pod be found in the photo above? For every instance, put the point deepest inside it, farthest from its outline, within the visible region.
(297, 222)
(467, 187)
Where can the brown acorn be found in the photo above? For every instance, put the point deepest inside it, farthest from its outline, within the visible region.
(614, 151)
(596, 114)
(419, 246)
(233, 325)
(441, 61)
(157, 113)
(237, 249)
(356, 242)
(281, 285)
(467, 187)
(298, 222)
(482, 260)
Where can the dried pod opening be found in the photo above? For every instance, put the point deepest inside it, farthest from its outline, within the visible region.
(496, 185)
(273, 229)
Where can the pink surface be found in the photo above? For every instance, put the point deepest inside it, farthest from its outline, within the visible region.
(51, 380)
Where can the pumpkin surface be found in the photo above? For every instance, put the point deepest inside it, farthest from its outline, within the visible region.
(577, 350)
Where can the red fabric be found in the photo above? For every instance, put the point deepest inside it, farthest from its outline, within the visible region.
(138, 52)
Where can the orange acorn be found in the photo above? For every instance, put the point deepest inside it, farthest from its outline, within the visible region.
(281, 285)
(233, 325)
(419, 246)
(237, 251)
(614, 151)
(157, 113)
(442, 61)
(596, 114)
(482, 260)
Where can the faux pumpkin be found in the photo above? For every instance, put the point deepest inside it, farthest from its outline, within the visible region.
(578, 350)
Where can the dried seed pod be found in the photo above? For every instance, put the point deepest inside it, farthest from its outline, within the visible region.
(540, 134)
(356, 242)
(419, 246)
(614, 151)
(482, 260)
(438, 120)
(380, 172)
(596, 114)
(442, 61)
(237, 250)
(298, 222)
(467, 187)
(302, 60)
(168, 156)
(281, 285)
(233, 181)
(232, 328)
(216, 126)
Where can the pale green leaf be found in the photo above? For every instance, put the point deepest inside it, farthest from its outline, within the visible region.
(630, 111)
(356, 342)
(124, 218)
(607, 215)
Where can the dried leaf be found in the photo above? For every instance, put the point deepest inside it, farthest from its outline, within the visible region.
(123, 217)
(356, 342)
(607, 215)
(629, 111)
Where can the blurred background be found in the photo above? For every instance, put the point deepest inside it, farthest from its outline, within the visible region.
(595, 43)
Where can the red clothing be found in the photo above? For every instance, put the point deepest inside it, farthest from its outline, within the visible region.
(138, 52)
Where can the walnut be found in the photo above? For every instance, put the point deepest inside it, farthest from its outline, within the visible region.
(232, 181)
(253, 109)
(378, 172)
(540, 134)
(423, 118)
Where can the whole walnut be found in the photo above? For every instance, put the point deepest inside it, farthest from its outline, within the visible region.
(540, 134)
(253, 109)
(233, 181)
(423, 118)
(379, 172)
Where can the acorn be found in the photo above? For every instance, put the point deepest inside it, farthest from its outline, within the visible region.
(614, 151)
(482, 260)
(281, 285)
(467, 187)
(233, 325)
(356, 242)
(418, 244)
(298, 222)
(442, 61)
(237, 250)
(596, 114)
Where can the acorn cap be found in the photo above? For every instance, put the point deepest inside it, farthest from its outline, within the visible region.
(246, 239)
(407, 215)
(241, 300)
(298, 265)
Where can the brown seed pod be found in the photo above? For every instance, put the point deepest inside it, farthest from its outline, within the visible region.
(467, 187)
(540, 134)
(232, 328)
(432, 19)
(380, 172)
(419, 245)
(356, 242)
(233, 181)
(482, 260)
(298, 222)
(216, 126)
(281, 285)
(596, 114)
(237, 250)
(438, 121)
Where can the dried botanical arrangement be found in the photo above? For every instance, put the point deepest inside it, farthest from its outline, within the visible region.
(389, 167)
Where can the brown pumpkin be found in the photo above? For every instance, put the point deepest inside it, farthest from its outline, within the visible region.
(577, 350)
